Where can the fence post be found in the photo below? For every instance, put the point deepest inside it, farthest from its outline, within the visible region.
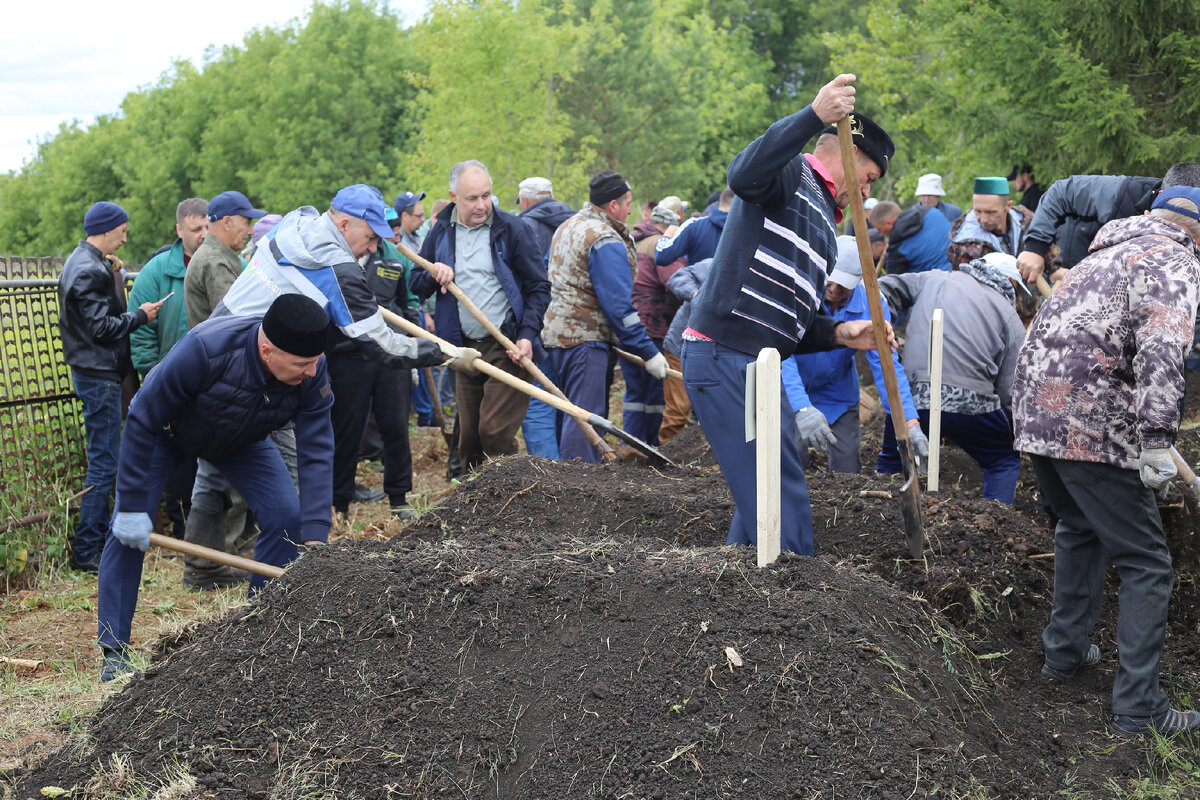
(935, 400)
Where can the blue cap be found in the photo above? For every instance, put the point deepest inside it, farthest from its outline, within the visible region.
(1185, 192)
(102, 217)
(406, 200)
(366, 203)
(226, 204)
(391, 216)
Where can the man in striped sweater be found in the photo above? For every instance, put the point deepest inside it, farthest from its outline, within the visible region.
(766, 285)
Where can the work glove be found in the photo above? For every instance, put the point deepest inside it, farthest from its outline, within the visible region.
(657, 366)
(920, 442)
(133, 529)
(415, 377)
(813, 430)
(461, 359)
(429, 353)
(1156, 466)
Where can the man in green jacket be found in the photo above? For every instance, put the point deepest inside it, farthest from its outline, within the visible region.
(162, 279)
(161, 276)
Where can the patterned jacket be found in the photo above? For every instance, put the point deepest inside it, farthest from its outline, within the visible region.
(1101, 374)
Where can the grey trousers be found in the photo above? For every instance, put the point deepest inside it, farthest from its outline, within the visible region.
(1106, 515)
(843, 455)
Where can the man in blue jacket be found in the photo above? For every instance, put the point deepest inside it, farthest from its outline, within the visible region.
(765, 289)
(217, 395)
(493, 258)
(697, 238)
(916, 238)
(824, 387)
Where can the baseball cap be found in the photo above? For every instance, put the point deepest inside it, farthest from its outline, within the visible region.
(534, 186)
(405, 199)
(847, 271)
(366, 203)
(226, 204)
(1185, 192)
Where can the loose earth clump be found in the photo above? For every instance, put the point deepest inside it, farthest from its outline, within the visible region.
(562, 630)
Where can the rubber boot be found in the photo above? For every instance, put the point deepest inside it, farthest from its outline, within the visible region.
(207, 529)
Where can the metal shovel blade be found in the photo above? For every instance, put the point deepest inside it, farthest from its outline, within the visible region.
(654, 454)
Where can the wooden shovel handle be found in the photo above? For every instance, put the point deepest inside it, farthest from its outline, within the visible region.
(187, 548)
(671, 373)
(589, 432)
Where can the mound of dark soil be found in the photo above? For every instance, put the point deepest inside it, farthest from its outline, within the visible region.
(561, 630)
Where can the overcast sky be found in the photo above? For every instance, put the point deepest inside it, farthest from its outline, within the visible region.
(71, 59)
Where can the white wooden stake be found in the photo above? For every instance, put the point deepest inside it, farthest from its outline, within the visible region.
(767, 412)
(935, 399)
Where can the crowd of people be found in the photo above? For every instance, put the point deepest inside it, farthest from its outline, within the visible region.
(264, 357)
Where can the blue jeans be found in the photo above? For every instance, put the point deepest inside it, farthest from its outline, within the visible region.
(1105, 515)
(101, 398)
(421, 402)
(582, 373)
(540, 426)
(258, 472)
(715, 377)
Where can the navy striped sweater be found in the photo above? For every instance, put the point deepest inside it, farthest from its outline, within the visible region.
(768, 275)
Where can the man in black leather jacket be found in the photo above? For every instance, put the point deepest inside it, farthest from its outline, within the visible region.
(95, 336)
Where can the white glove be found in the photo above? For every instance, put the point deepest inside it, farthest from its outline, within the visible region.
(416, 378)
(813, 429)
(1156, 467)
(461, 359)
(920, 442)
(657, 366)
(133, 529)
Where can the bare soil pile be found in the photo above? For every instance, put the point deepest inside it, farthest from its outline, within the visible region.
(560, 630)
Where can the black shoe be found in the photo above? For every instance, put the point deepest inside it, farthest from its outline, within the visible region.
(1090, 659)
(1168, 723)
(364, 495)
(113, 664)
(403, 511)
(91, 565)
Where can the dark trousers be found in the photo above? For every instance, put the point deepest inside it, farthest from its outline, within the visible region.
(643, 403)
(1106, 515)
(715, 377)
(101, 399)
(489, 412)
(582, 376)
(358, 386)
(843, 454)
(178, 495)
(258, 472)
(987, 438)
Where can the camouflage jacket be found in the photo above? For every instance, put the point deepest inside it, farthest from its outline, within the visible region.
(1101, 374)
(575, 315)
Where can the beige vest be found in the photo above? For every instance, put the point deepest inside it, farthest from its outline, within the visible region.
(574, 315)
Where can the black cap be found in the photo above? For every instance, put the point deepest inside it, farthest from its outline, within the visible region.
(296, 325)
(1019, 169)
(871, 139)
(606, 186)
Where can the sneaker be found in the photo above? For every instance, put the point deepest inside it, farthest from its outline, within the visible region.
(1168, 723)
(1090, 659)
(404, 511)
(362, 494)
(113, 664)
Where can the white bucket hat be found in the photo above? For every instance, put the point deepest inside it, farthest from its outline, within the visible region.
(930, 183)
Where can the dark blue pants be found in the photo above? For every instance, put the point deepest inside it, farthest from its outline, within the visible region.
(258, 472)
(101, 399)
(1105, 515)
(582, 373)
(643, 402)
(421, 402)
(715, 377)
(540, 426)
(987, 438)
(358, 386)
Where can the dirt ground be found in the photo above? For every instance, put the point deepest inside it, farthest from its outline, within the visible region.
(562, 630)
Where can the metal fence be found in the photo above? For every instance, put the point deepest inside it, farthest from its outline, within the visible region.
(42, 446)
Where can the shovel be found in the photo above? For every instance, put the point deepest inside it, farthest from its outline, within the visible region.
(565, 406)
(189, 549)
(589, 430)
(910, 496)
(1187, 473)
(671, 373)
(439, 416)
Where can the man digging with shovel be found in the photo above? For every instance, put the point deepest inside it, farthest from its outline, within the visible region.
(765, 290)
(217, 395)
